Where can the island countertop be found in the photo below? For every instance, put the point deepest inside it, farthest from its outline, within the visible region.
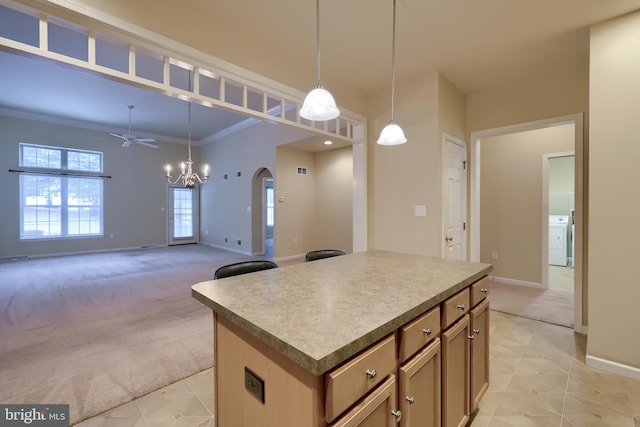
(320, 313)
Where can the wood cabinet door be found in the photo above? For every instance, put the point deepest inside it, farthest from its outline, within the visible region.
(419, 388)
(375, 410)
(479, 319)
(455, 374)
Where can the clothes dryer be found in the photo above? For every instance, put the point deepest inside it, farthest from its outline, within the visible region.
(558, 238)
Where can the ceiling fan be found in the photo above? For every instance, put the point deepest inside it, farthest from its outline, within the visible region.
(128, 138)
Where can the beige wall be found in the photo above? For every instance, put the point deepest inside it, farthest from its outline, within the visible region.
(403, 176)
(613, 285)
(226, 203)
(334, 199)
(316, 210)
(295, 203)
(561, 185)
(134, 197)
(452, 109)
(511, 199)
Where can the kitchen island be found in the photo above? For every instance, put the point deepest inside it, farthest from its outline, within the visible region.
(285, 339)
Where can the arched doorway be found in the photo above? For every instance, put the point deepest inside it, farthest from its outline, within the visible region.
(262, 214)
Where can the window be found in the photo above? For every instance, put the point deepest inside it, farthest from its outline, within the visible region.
(59, 196)
(270, 207)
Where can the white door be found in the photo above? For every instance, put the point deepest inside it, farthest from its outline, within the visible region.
(454, 199)
(183, 215)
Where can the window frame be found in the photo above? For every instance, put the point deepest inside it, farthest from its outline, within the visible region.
(75, 175)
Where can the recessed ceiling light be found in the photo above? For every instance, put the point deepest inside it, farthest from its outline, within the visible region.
(328, 142)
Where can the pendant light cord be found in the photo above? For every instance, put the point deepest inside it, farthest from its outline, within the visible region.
(189, 111)
(393, 60)
(318, 38)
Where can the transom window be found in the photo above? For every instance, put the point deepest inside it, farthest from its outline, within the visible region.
(58, 196)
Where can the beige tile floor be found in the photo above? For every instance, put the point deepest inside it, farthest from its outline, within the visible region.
(538, 378)
(561, 278)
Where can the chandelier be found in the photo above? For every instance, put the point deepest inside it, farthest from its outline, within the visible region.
(187, 176)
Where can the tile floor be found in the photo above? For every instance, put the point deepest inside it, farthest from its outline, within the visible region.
(538, 378)
(561, 278)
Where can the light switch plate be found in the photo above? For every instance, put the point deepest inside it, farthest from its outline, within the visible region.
(420, 210)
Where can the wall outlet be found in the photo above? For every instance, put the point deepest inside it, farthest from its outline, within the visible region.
(494, 255)
(226, 239)
(239, 242)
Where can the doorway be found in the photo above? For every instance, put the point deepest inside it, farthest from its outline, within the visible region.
(262, 213)
(182, 214)
(558, 197)
(268, 215)
(576, 120)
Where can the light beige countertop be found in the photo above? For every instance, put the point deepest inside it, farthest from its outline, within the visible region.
(321, 313)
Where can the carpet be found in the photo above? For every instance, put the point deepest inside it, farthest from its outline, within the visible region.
(98, 330)
(546, 305)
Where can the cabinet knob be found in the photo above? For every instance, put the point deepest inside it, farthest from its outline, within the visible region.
(484, 290)
(471, 337)
(410, 399)
(426, 331)
(397, 415)
(476, 331)
(371, 373)
(461, 306)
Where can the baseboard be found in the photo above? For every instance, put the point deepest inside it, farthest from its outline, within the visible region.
(226, 248)
(96, 251)
(517, 282)
(581, 329)
(613, 367)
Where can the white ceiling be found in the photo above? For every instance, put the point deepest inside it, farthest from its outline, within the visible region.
(475, 43)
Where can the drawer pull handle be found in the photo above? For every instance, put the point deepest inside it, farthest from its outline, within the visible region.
(461, 306)
(397, 415)
(411, 400)
(426, 331)
(484, 290)
(471, 337)
(371, 373)
(476, 331)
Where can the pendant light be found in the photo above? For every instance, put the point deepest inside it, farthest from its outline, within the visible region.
(319, 105)
(392, 133)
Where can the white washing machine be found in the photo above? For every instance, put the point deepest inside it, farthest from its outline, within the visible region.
(558, 238)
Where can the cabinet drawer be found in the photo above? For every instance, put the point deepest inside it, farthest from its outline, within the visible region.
(455, 307)
(479, 291)
(418, 333)
(348, 383)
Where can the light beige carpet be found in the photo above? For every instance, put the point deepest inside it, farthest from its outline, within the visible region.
(98, 330)
(547, 305)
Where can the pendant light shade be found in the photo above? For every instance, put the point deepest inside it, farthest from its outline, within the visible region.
(319, 104)
(392, 134)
